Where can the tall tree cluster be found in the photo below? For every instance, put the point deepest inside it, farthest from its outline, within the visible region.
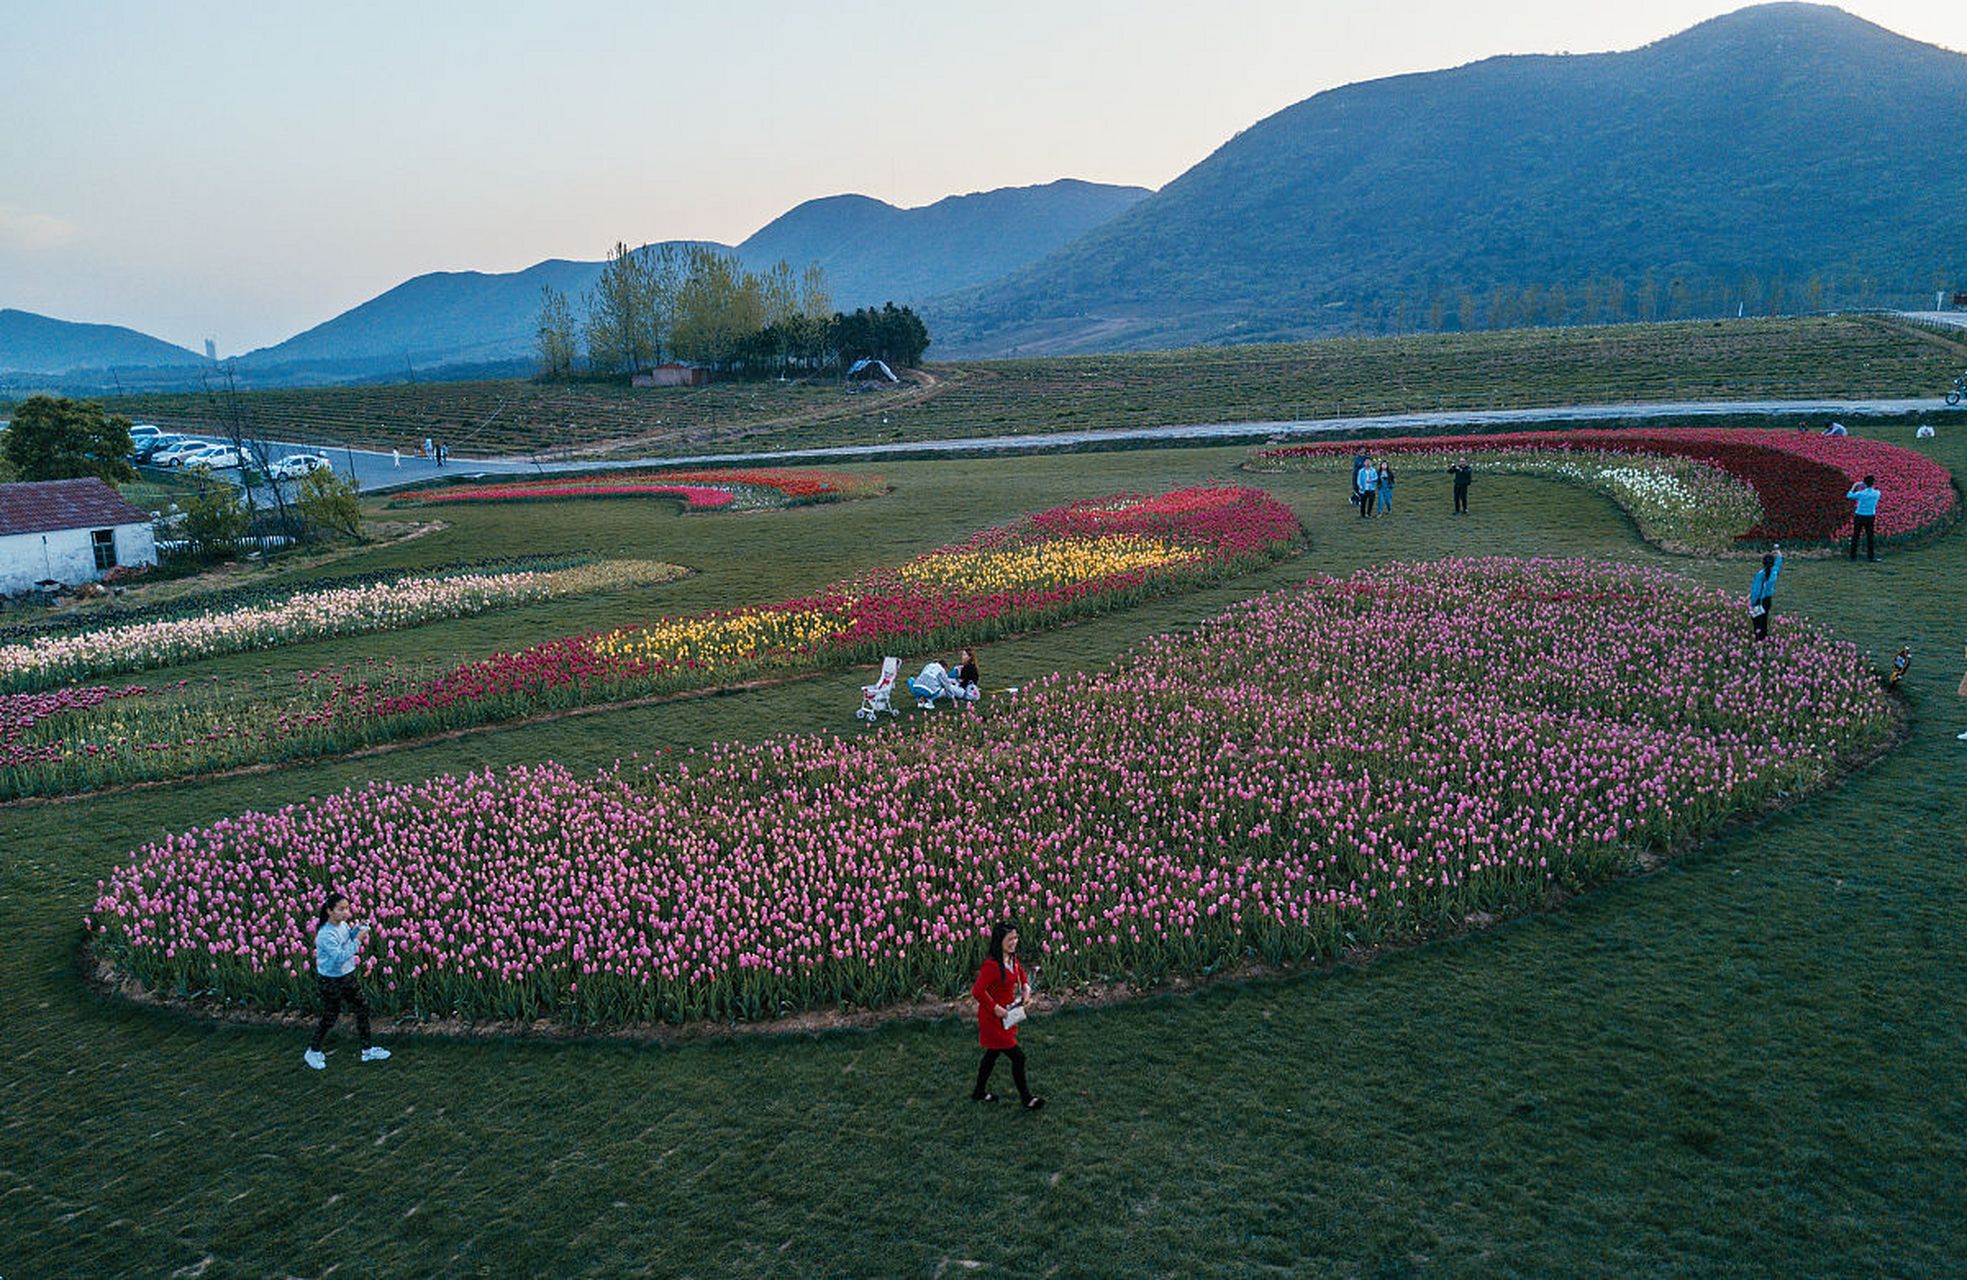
(702, 305)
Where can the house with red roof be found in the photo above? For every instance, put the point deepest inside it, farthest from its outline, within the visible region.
(69, 531)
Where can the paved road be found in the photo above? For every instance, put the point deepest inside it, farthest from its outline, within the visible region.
(1958, 319)
(375, 471)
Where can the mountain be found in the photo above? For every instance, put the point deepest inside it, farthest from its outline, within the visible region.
(1786, 142)
(37, 344)
(874, 252)
(445, 317)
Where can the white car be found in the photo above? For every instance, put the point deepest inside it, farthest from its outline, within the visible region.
(141, 431)
(296, 465)
(182, 452)
(219, 457)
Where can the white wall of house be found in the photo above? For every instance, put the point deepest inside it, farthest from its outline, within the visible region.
(68, 555)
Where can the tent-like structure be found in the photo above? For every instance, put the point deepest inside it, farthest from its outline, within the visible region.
(871, 370)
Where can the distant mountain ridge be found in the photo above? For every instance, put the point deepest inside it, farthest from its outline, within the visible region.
(38, 344)
(1784, 141)
(874, 252)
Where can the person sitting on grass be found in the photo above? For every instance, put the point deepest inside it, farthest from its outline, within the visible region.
(931, 683)
(967, 688)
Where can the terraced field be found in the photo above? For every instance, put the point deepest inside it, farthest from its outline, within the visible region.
(1853, 356)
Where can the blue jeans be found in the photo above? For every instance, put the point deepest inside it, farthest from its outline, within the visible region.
(1386, 498)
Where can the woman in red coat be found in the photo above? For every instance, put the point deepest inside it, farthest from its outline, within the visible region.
(1001, 990)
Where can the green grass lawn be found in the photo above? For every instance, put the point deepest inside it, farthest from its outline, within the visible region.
(1783, 359)
(1751, 1062)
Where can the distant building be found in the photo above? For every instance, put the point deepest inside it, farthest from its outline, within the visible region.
(70, 531)
(672, 374)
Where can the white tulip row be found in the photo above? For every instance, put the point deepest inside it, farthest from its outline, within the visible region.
(341, 611)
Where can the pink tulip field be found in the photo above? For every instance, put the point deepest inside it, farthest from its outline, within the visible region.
(1361, 760)
(1085, 558)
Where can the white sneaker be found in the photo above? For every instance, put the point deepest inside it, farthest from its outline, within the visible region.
(374, 1053)
(1961, 736)
(316, 1059)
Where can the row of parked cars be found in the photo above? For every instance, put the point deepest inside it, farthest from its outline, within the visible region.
(159, 448)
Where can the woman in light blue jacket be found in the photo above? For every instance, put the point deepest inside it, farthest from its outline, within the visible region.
(336, 942)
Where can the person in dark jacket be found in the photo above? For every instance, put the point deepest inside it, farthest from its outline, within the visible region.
(1002, 991)
(1463, 473)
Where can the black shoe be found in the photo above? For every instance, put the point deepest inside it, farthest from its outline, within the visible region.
(983, 1097)
(1033, 1104)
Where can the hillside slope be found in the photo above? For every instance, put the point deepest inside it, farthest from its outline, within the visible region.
(39, 344)
(874, 252)
(1783, 142)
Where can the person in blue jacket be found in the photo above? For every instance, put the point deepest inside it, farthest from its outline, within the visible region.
(336, 942)
(1865, 519)
(1762, 592)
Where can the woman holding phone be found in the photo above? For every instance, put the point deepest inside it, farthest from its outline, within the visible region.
(336, 942)
(1002, 990)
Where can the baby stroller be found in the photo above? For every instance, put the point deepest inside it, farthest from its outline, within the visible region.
(874, 697)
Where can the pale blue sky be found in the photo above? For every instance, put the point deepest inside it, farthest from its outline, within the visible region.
(247, 170)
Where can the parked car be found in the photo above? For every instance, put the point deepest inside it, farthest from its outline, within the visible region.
(149, 447)
(219, 457)
(181, 453)
(140, 431)
(296, 465)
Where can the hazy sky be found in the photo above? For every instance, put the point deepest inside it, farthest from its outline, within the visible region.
(247, 170)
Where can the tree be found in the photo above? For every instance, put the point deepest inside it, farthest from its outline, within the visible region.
(628, 308)
(327, 501)
(55, 438)
(554, 334)
(718, 306)
(214, 519)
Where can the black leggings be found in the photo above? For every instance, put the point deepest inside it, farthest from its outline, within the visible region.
(336, 992)
(1461, 502)
(1016, 1055)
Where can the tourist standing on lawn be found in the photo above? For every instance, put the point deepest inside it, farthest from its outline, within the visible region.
(1002, 991)
(1762, 592)
(1865, 520)
(1962, 692)
(335, 943)
(1369, 489)
(1463, 473)
(1386, 488)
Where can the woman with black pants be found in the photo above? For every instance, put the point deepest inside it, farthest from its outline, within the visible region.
(1002, 990)
(335, 943)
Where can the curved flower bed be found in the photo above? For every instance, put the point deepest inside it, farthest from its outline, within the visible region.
(1799, 478)
(408, 601)
(1220, 795)
(1038, 572)
(725, 488)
